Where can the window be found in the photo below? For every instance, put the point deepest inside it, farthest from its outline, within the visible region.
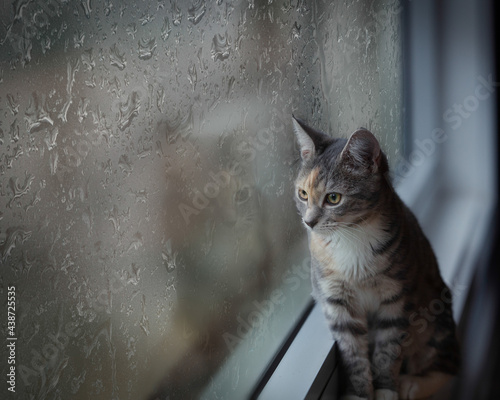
(446, 174)
(147, 222)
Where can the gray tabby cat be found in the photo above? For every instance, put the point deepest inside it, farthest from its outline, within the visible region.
(373, 271)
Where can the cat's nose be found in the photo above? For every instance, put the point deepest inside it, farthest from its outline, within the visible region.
(229, 217)
(310, 222)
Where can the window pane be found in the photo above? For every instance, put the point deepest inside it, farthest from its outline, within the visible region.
(147, 219)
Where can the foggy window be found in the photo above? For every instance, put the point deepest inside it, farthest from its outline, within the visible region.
(147, 220)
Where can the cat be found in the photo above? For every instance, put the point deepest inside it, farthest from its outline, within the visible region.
(373, 271)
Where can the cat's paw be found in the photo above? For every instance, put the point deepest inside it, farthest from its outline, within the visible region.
(408, 388)
(385, 394)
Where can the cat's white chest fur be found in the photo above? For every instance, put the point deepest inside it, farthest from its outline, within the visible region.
(348, 252)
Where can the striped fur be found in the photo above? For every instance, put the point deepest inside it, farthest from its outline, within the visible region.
(373, 271)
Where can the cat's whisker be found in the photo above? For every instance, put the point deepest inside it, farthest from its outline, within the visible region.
(347, 230)
(353, 226)
(353, 237)
(344, 232)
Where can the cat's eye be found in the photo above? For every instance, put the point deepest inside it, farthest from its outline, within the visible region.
(302, 194)
(242, 195)
(333, 198)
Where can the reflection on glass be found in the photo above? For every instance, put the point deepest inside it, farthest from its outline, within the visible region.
(147, 220)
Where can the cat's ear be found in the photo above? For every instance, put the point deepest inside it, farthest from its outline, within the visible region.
(311, 141)
(362, 151)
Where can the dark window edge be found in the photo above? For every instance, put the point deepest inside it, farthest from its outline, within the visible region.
(278, 356)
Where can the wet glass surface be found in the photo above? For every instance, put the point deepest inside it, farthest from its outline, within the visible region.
(147, 219)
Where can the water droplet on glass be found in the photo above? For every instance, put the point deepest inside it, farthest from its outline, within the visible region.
(165, 29)
(192, 76)
(117, 59)
(87, 9)
(45, 44)
(131, 30)
(53, 162)
(197, 11)
(144, 324)
(82, 109)
(78, 39)
(114, 86)
(296, 30)
(23, 45)
(137, 241)
(88, 219)
(14, 131)
(125, 165)
(146, 18)
(77, 381)
(132, 276)
(146, 48)
(220, 47)
(128, 110)
(12, 237)
(160, 99)
(51, 137)
(36, 113)
(19, 190)
(71, 70)
(176, 14)
(169, 257)
(71, 157)
(181, 126)
(108, 7)
(141, 196)
(19, 6)
(88, 60)
(12, 103)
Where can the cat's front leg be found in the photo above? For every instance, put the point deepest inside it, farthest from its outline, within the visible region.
(351, 336)
(387, 355)
(356, 379)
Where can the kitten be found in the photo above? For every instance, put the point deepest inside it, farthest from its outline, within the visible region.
(373, 271)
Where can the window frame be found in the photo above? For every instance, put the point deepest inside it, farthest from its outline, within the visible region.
(432, 78)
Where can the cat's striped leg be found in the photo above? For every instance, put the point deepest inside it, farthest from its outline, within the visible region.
(356, 381)
(351, 336)
(387, 355)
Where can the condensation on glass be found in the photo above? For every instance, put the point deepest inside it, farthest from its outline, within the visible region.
(147, 219)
